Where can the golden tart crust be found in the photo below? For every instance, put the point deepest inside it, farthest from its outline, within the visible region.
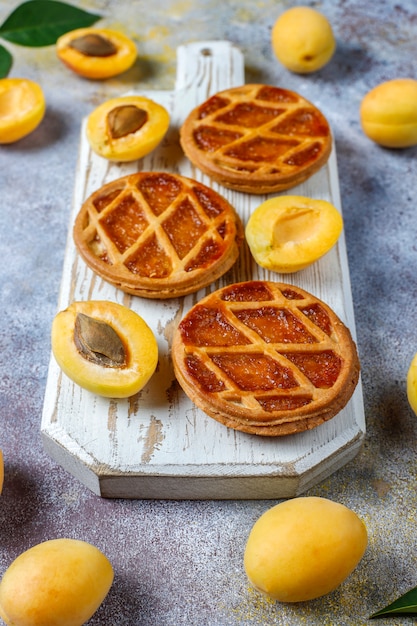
(257, 138)
(265, 358)
(158, 235)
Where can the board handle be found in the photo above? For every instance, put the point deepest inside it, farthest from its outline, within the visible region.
(209, 67)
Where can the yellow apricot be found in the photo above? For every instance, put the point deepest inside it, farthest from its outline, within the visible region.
(1, 471)
(127, 128)
(22, 108)
(303, 40)
(304, 548)
(288, 233)
(60, 582)
(388, 113)
(412, 384)
(96, 53)
(104, 347)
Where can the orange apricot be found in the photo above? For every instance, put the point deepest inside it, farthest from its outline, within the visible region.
(104, 347)
(22, 108)
(96, 53)
(127, 128)
(288, 233)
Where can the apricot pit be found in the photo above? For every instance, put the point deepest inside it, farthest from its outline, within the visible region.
(127, 128)
(96, 53)
(104, 347)
(288, 233)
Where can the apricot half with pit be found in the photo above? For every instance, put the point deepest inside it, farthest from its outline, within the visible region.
(22, 108)
(127, 128)
(304, 548)
(288, 233)
(104, 347)
(388, 113)
(96, 53)
(60, 582)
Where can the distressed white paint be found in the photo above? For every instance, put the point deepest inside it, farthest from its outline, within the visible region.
(159, 445)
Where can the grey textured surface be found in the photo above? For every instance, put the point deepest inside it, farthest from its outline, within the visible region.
(181, 562)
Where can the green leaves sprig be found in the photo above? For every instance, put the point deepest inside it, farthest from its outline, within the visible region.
(404, 605)
(37, 23)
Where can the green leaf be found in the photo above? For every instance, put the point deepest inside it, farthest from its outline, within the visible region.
(404, 605)
(40, 22)
(6, 62)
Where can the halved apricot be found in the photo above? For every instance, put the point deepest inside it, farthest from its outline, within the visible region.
(127, 128)
(22, 107)
(96, 53)
(288, 233)
(104, 347)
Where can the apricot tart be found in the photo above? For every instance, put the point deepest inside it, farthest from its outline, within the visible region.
(257, 138)
(158, 235)
(265, 358)
(104, 347)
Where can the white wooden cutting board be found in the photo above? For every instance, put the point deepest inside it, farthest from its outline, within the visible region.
(158, 444)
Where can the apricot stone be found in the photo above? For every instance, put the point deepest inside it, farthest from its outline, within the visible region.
(288, 233)
(104, 347)
(388, 113)
(304, 548)
(60, 582)
(127, 128)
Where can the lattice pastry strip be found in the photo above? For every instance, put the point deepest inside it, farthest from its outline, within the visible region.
(265, 358)
(157, 234)
(257, 138)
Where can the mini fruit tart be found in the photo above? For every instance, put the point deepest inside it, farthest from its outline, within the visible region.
(104, 347)
(127, 128)
(286, 234)
(96, 53)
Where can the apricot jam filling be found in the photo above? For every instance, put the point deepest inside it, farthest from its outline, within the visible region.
(275, 325)
(249, 115)
(255, 372)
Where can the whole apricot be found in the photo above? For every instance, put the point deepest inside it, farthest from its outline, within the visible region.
(22, 108)
(303, 40)
(96, 53)
(412, 384)
(388, 113)
(288, 233)
(104, 347)
(304, 548)
(127, 128)
(60, 582)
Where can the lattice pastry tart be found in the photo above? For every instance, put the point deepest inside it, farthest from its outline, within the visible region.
(158, 235)
(265, 358)
(257, 139)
